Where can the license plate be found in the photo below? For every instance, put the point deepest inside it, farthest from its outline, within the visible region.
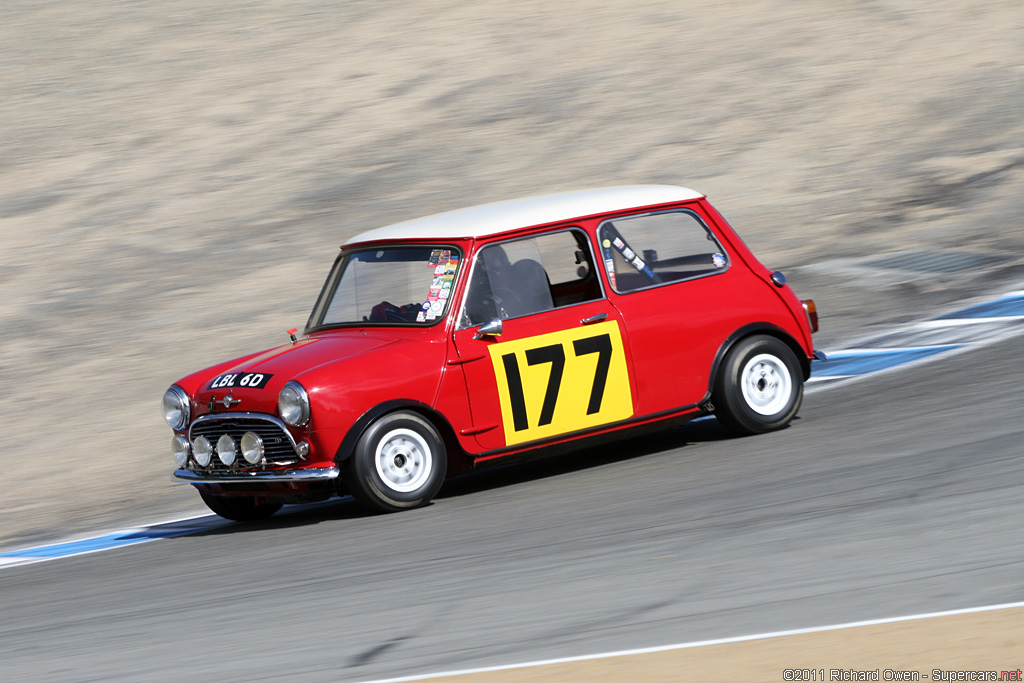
(252, 380)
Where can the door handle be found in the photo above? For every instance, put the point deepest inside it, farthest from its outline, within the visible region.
(594, 319)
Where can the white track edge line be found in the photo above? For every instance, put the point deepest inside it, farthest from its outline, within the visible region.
(705, 643)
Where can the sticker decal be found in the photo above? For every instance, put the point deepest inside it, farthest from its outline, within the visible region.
(561, 382)
(253, 380)
(718, 260)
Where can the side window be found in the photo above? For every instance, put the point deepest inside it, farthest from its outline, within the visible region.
(658, 248)
(511, 279)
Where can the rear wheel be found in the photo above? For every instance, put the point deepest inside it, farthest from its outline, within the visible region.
(759, 387)
(240, 508)
(398, 463)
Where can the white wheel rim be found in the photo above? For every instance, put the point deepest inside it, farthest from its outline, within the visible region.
(766, 384)
(403, 459)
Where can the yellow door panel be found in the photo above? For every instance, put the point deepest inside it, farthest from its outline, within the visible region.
(561, 382)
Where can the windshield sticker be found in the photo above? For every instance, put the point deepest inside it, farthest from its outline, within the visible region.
(718, 260)
(444, 266)
(609, 262)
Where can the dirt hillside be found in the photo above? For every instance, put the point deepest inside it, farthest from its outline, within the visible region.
(176, 176)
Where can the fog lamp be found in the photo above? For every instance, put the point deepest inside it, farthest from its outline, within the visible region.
(180, 449)
(226, 449)
(202, 451)
(252, 448)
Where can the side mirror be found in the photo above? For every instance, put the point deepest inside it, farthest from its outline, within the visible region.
(489, 329)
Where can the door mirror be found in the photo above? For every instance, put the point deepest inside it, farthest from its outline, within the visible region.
(489, 329)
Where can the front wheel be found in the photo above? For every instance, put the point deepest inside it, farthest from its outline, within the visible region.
(398, 463)
(760, 386)
(240, 508)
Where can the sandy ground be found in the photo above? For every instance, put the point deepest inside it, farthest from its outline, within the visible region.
(956, 647)
(176, 176)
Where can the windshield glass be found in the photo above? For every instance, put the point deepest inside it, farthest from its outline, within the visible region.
(389, 285)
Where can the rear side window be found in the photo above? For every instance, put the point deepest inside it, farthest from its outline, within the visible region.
(658, 248)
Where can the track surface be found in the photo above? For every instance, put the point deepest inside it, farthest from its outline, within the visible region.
(897, 494)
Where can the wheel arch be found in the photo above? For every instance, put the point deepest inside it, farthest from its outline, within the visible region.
(750, 330)
(455, 455)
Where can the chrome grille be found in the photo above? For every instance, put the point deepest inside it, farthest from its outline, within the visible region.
(278, 446)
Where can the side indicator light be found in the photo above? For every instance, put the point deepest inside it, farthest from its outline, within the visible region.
(812, 313)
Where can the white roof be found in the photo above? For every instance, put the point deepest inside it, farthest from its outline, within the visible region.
(489, 219)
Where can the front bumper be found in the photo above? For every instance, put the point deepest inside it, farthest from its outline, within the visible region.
(308, 475)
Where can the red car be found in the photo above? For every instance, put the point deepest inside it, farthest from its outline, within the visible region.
(461, 338)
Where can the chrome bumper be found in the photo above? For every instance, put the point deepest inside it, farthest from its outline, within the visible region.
(311, 474)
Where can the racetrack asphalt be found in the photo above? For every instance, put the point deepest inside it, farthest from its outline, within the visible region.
(897, 494)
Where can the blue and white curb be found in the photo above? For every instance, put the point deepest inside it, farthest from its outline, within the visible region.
(971, 327)
(119, 539)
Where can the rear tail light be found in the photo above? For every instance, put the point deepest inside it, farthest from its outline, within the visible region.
(812, 313)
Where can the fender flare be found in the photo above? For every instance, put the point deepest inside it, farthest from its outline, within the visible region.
(757, 328)
(348, 444)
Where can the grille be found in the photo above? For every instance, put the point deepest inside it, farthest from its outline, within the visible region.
(277, 443)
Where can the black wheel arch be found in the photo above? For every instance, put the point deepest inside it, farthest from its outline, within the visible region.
(444, 428)
(757, 328)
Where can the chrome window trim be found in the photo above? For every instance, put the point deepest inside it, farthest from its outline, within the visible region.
(476, 253)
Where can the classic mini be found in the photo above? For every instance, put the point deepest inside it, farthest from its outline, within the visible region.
(463, 338)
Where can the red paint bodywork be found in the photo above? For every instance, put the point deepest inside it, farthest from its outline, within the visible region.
(672, 335)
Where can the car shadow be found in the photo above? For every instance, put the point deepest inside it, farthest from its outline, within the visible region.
(550, 462)
(540, 464)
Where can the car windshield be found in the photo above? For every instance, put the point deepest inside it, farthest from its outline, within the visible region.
(388, 285)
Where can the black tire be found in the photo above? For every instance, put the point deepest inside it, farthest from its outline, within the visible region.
(399, 463)
(240, 508)
(759, 387)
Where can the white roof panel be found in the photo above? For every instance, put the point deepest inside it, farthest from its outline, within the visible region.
(489, 219)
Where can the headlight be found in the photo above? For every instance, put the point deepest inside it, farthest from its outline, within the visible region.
(252, 448)
(176, 407)
(179, 449)
(226, 449)
(293, 404)
(202, 450)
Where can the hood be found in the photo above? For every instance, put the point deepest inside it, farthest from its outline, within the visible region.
(257, 380)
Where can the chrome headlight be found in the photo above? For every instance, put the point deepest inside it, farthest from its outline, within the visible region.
(180, 448)
(177, 408)
(252, 448)
(202, 450)
(293, 404)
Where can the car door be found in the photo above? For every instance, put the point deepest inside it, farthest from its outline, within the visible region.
(679, 295)
(541, 346)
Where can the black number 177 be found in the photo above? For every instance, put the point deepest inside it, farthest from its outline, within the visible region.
(555, 354)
